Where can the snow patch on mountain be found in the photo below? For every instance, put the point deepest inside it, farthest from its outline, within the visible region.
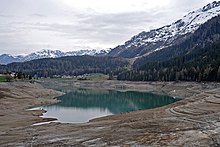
(43, 54)
(188, 24)
(163, 37)
(46, 53)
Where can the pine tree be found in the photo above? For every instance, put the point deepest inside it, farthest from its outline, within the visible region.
(218, 74)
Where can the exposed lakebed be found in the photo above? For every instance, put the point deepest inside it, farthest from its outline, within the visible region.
(81, 105)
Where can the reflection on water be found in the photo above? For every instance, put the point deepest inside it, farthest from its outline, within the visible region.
(81, 105)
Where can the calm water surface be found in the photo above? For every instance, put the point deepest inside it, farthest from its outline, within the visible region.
(81, 105)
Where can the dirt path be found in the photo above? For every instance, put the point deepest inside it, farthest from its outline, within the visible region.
(194, 121)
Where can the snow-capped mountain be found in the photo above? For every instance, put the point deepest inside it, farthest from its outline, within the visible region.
(146, 43)
(6, 58)
(81, 53)
(46, 53)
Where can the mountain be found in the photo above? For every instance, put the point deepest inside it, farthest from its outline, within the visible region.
(147, 43)
(43, 54)
(188, 50)
(207, 35)
(195, 59)
(6, 59)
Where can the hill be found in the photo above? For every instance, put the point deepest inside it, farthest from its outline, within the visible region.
(75, 65)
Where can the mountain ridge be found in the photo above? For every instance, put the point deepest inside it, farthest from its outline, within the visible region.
(47, 53)
(146, 43)
(195, 59)
(207, 34)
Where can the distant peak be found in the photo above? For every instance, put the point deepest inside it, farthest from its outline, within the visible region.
(5, 55)
(45, 50)
(211, 6)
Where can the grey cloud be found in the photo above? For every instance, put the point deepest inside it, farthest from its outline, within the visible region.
(22, 25)
(16, 47)
(102, 28)
(29, 7)
(6, 16)
(185, 6)
(38, 15)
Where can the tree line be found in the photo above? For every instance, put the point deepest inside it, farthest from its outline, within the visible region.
(72, 66)
(202, 64)
(196, 58)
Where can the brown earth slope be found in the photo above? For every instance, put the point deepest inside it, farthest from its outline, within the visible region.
(193, 121)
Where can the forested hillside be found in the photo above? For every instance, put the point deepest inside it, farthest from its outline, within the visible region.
(202, 64)
(195, 59)
(77, 65)
(206, 35)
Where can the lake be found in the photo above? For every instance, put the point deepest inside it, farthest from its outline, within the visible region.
(81, 105)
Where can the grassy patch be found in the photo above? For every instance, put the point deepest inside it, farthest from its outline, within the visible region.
(97, 77)
(2, 78)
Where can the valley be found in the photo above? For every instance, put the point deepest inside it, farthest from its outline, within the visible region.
(159, 88)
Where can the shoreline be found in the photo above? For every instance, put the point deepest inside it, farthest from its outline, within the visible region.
(173, 89)
(18, 97)
(191, 121)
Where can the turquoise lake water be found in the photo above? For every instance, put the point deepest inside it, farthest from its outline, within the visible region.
(81, 105)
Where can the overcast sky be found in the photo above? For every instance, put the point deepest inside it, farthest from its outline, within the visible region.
(32, 25)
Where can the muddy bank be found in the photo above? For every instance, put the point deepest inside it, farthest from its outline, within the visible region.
(174, 89)
(16, 98)
(194, 121)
